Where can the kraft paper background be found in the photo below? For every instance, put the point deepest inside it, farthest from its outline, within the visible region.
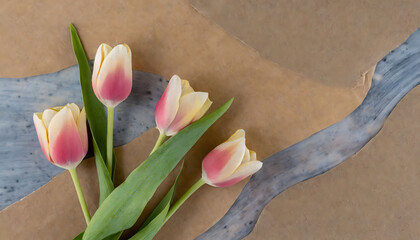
(373, 195)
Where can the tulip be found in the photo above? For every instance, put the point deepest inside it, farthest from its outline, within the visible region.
(112, 83)
(112, 74)
(227, 164)
(230, 162)
(62, 134)
(180, 106)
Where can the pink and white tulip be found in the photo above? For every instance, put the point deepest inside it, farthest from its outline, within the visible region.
(112, 74)
(180, 106)
(230, 162)
(62, 134)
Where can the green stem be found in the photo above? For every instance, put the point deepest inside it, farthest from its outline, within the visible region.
(80, 195)
(109, 140)
(184, 197)
(159, 142)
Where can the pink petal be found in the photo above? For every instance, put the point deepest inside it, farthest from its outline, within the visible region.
(41, 131)
(114, 81)
(168, 104)
(189, 105)
(66, 147)
(229, 182)
(222, 162)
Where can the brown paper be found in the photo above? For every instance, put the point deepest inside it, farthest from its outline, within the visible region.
(374, 195)
(332, 42)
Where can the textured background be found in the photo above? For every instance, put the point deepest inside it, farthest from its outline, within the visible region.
(328, 41)
(373, 195)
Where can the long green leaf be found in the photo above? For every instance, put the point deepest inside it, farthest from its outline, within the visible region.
(95, 111)
(106, 186)
(123, 206)
(157, 218)
(115, 236)
(79, 237)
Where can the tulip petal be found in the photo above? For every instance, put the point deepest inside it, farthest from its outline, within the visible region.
(189, 106)
(247, 156)
(101, 53)
(47, 115)
(66, 148)
(203, 110)
(240, 133)
(222, 161)
(242, 172)
(253, 155)
(186, 88)
(114, 81)
(74, 110)
(82, 129)
(42, 133)
(168, 104)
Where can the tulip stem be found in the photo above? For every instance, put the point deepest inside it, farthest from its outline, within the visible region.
(184, 197)
(109, 140)
(80, 195)
(159, 142)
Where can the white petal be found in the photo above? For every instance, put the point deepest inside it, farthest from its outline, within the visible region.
(246, 169)
(203, 110)
(247, 156)
(189, 106)
(101, 53)
(42, 133)
(253, 155)
(81, 127)
(74, 110)
(186, 88)
(240, 133)
(47, 115)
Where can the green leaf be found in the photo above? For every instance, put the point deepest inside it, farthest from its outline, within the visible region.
(123, 206)
(112, 237)
(95, 113)
(95, 110)
(157, 218)
(79, 237)
(105, 183)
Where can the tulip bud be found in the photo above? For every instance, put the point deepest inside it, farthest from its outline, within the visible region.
(62, 134)
(180, 106)
(230, 162)
(112, 74)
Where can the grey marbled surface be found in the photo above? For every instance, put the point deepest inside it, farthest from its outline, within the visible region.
(24, 168)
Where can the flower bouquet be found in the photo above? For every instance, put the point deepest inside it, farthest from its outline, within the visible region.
(181, 120)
